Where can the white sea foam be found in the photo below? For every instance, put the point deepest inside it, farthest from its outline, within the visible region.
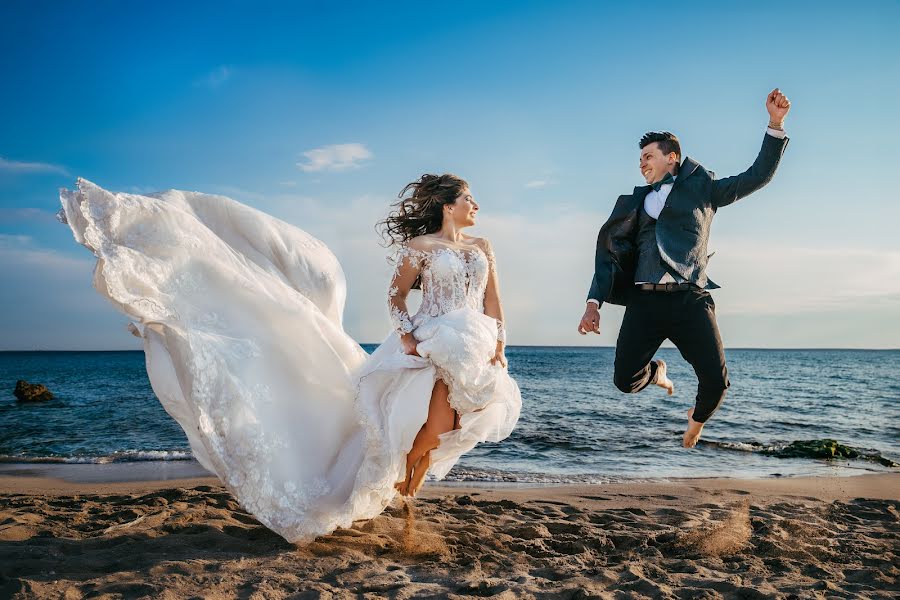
(123, 456)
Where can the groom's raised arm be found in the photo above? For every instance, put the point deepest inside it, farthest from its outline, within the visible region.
(729, 189)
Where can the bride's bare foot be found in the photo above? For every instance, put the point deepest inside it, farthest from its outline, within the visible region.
(662, 380)
(415, 476)
(404, 486)
(692, 435)
(421, 470)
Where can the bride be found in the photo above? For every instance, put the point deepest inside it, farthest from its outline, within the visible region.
(241, 320)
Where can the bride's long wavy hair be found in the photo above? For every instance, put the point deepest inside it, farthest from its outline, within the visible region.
(420, 208)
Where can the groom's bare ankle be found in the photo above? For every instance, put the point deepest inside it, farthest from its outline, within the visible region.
(661, 377)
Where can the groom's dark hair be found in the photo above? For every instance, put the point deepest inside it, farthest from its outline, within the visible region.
(668, 142)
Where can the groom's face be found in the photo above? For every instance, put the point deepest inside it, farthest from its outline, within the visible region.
(655, 164)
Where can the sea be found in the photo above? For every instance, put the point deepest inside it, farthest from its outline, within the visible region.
(575, 426)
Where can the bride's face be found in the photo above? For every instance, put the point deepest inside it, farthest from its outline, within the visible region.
(462, 211)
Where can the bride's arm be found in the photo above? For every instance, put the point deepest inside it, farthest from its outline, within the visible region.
(492, 305)
(409, 266)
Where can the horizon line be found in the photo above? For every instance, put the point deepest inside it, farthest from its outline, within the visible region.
(773, 348)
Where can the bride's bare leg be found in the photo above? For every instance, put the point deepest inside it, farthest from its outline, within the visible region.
(441, 419)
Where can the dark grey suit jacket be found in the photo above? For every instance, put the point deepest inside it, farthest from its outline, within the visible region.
(682, 230)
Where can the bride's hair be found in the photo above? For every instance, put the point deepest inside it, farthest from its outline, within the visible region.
(422, 211)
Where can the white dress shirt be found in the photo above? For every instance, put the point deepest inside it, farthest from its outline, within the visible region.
(653, 205)
(655, 201)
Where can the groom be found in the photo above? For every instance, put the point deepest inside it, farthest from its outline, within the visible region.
(651, 257)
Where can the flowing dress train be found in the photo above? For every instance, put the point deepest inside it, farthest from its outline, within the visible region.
(240, 316)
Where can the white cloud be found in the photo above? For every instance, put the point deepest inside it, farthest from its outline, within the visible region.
(782, 279)
(216, 77)
(14, 241)
(537, 183)
(15, 166)
(23, 215)
(337, 157)
(21, 250)
(51, 303)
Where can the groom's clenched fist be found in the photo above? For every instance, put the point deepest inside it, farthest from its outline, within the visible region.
(778, 106)
(591, 319)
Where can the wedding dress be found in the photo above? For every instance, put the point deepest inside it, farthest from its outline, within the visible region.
(240, 315)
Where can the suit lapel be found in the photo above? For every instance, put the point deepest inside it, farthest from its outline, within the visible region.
(687, 168)
(637, 197)
(640, 192)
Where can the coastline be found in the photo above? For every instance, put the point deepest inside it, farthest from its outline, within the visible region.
(34, 477)
(713, 538)
(50, 480)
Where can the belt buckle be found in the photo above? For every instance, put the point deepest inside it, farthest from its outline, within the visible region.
(671, 286)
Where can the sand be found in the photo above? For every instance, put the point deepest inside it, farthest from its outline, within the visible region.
(188, 538)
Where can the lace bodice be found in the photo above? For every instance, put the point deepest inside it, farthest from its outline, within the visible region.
(451, 278)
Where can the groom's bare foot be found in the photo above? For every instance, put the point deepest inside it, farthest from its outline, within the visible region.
(662, 380)
(692, 435)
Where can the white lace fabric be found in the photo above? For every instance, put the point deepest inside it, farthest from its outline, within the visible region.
(451, 279)
(240, 315)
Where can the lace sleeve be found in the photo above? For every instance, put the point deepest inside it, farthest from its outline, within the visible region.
(408, 266)
(492, 279)
(488, 250)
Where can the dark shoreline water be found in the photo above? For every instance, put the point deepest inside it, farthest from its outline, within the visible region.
(575, 426)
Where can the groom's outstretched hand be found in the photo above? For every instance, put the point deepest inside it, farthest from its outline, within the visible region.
(590, 321)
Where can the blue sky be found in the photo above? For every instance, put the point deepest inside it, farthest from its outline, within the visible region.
(319, 114)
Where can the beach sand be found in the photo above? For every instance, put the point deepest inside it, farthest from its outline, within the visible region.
(721, 538)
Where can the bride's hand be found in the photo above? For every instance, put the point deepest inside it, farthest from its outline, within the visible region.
(499, 356)
(409, 343)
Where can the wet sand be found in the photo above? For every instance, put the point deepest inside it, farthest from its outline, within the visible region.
(89, 536)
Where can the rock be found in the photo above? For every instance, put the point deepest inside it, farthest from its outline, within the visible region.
(828, 449)
(32, 392)
(825, 448)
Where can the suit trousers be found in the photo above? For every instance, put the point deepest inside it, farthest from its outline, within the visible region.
(686, 317)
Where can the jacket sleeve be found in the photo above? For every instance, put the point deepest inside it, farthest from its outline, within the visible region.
(594, 291)
(601, 283)
(727, 190)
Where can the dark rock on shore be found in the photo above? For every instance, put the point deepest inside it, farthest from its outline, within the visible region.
(828, 449)
(32, 392)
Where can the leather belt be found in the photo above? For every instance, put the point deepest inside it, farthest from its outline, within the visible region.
(666, 287)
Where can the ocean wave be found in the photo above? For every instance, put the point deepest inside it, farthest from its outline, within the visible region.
(463, 474)
(115, 457)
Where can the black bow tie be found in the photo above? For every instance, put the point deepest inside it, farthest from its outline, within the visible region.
(667, 179)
